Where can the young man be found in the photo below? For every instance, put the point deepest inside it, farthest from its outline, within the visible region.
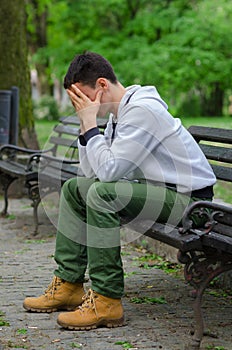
(146, 165)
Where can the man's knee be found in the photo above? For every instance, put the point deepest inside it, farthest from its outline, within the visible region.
(101, 195)
(69, 190)
(69, 185)
(77, 185)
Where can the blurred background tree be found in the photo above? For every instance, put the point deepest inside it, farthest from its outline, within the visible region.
(37, 11)
(14, 67)
(183, 47)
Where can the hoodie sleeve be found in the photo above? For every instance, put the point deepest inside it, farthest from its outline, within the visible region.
(85, 164)
(135, 140)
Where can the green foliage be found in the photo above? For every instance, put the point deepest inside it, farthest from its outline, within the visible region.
(148, 300)
(11, 216)
(125, 344)
(76, 346)
(183, 47)
(36, 241)
(22, 331)
(223, 190)
(46, 108)
(149, 261)
(10, 344)
(3, 322)
(128, 274)
(44, 129)
(189, 105)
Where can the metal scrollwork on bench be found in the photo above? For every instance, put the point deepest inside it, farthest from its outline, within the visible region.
(202, 267)
(203, 209)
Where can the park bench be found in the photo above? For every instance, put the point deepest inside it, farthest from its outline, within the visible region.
(206, 252)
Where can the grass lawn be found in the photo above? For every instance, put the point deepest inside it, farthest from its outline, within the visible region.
(219, 122)
(43, 130)
(223, 191)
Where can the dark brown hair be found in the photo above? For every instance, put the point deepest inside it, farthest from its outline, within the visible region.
(86, 68)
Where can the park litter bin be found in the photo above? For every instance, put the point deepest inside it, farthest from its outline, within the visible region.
(5, 113)
(9, 116)
(14, 116)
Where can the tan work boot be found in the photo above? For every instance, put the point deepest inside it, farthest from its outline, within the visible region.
(96, 310)
(60, 295)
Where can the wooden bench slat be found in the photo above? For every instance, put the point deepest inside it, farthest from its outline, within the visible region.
(12, 168)
(218, 241)
(223, 229)
(165, 233)
(65, 129)
(222, 172)
(101, 122)
(63, 142)
(221, 154)
(174, 238)
(58, 172)
(211, 134)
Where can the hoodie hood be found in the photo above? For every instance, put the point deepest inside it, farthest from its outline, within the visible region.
(135, 93)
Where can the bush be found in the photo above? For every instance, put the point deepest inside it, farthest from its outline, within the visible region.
(189, 106)
(46, 108)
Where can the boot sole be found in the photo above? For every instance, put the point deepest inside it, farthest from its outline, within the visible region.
(50, 309)
(107, 323)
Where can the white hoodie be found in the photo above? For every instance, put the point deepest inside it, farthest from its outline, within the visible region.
(148, 144)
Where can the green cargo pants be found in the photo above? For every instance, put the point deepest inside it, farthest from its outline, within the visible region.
(88, 232)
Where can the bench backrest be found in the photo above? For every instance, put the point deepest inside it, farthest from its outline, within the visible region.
(217, 146)
(216, 143)
(74, 120)
(63, 138)
(64, 141)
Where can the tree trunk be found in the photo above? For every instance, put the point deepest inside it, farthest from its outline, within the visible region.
(212, 102)
(14, 67)
(37, 41)
(217, 97)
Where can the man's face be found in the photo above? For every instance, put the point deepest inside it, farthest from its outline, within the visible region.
(91, 93)
(88, 91)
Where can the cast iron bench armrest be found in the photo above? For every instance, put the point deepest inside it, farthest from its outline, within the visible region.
(214, 212)
(36, 158)
(8, 147)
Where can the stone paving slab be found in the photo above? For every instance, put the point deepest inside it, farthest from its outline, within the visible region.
(26, 267)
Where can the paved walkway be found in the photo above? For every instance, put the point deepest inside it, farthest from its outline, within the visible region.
(26, 266)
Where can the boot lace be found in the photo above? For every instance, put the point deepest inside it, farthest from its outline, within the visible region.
(51, 289)
(89, 301)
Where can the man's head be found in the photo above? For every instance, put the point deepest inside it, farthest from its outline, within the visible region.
(87, 68)
(92, 75)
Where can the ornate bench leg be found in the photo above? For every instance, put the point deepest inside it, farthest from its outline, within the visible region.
(34, 195)
(200, 269)
(6, 182)
(35, 215)
(199, 321)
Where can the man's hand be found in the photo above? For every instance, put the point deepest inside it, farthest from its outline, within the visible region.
(86, 109)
